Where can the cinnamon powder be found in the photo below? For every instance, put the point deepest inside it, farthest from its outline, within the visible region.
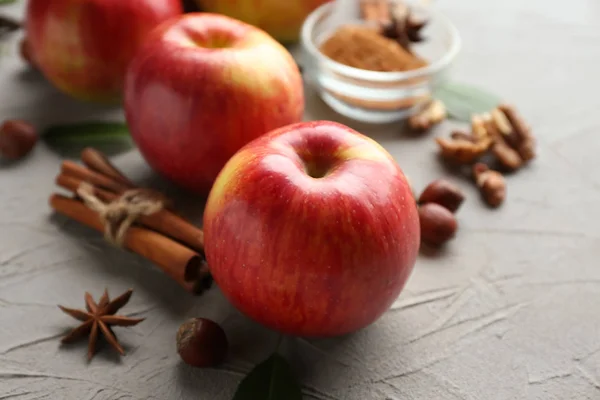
(366, 48)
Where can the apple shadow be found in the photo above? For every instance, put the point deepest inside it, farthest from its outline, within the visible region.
(433, 252)
(30, 76)
(9, 164)
(333, 362)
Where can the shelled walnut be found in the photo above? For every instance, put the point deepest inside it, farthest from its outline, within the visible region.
(502, 131)
(523, 141)
(478, 128)
(491, 184)
(432, 114)
(463, 151)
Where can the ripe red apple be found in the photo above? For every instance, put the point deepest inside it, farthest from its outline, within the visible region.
(84, 46)
(280, 18)
(202, 87)
(312, 230)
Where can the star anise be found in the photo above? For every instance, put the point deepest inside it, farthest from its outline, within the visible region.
(403, 27)
(100, 317)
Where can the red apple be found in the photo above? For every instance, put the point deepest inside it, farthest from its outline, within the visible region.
(202, 87)
(84, 46)
(280, 18)
(312, 230)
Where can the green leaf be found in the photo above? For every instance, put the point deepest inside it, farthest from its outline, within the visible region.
(462, 100)
(7, 1)
(109, 137)
(8, 25)
(272, 379)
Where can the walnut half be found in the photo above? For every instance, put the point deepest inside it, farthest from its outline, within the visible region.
(502, 130)
(463, 151)
(432, 114)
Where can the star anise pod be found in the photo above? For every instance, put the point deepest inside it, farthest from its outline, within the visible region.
(100, 317)
(403, 27)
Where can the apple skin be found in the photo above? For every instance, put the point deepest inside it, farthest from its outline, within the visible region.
(202, 87)
(84, 46)
(280, 18)
(311, 256)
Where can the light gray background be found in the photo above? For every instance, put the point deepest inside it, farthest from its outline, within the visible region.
(509, 310)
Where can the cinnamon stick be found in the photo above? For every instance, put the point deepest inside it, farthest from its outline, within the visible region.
(177, 261)
(159, 244)
(98, 162)
(163, 221)
(72, 183)
(78, 171)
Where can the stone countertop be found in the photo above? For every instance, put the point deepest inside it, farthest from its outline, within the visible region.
(509, 310)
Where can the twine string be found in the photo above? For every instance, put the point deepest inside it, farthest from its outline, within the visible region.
(118, 215)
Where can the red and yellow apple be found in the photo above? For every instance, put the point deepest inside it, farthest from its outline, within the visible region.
(280, 18)
(84, 46)
(312, 230)
(202, 87)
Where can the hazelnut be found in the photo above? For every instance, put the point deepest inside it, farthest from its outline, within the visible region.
(17, 139)
(201, 342)
(443, 193)
(438, 224)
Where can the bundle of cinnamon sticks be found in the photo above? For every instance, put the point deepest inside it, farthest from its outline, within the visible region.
(169, 241)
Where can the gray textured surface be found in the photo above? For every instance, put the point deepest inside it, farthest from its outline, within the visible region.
(510, 310)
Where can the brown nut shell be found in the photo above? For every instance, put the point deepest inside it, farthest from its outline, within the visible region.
(17, 139)
(201, 342)
(444, 193)
(438, 224)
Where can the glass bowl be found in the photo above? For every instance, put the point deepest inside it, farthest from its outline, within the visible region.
(374, 96)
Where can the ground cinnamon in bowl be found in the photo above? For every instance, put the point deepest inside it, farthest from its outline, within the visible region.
(382, 66)
(364, 47)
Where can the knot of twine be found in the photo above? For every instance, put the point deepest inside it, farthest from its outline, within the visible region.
(118, 215)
